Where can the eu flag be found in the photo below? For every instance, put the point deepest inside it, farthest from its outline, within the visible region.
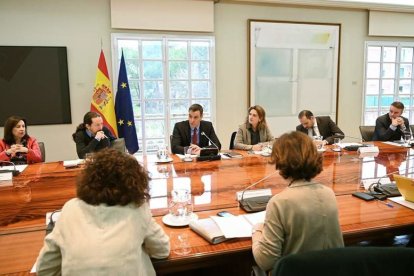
(124, 113)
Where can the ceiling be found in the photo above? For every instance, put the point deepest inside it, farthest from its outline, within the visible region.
(379, 5)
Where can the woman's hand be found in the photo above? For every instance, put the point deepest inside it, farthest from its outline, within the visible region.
(21, 148)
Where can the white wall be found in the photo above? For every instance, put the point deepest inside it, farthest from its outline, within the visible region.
(80, 25)
(232, 58)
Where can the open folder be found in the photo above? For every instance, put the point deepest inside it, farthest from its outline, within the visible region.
(218, 229)
(208, 229)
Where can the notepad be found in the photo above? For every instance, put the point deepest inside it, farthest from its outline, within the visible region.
(239, 226)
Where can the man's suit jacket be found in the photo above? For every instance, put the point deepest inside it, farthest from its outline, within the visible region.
(182, 136)
(383, 132)
(327, 128)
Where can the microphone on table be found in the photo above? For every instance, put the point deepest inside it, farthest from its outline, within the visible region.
(257, 203)
(211, 141)
(351, 147)
(15, 172)
(209, 154)
(390, 190)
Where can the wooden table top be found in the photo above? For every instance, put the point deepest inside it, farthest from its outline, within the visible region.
(45, 187)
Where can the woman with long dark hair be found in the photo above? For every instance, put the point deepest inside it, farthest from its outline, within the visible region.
(254, 133)
(17, 146)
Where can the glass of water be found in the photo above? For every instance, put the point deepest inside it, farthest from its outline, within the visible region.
(187, 154)
(180, 206)
(318, 142)
(337, 144)
(407, 138)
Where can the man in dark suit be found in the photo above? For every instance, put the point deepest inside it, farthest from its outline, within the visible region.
(391, 126)
(189, 132)
(319, 126)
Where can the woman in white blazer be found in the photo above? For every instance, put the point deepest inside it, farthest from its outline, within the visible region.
(254, 133)
(108, 229)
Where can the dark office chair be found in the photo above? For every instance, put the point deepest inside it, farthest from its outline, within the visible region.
(355, 261)
(42, 150)
(367, 132)
(233, 136)
(118, 144)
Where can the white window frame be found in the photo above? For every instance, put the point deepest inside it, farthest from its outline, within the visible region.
(408, 110)
(167, 116)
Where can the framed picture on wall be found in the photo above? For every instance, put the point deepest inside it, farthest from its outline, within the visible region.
(293, 66)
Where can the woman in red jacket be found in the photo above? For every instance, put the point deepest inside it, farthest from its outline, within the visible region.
(17, 146)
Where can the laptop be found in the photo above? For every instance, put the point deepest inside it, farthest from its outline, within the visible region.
(405, 186)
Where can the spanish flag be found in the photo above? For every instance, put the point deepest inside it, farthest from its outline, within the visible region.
(103, 98)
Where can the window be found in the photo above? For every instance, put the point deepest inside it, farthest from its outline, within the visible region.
(166, 75)
(388, 78)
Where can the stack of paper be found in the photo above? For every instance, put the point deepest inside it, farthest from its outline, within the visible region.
(72, 163)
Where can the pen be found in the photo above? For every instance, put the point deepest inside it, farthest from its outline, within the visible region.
(386, 203)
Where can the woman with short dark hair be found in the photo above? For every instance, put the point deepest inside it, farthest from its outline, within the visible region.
(254, 133)
(304, 216)
(108, 229)
(17, 146)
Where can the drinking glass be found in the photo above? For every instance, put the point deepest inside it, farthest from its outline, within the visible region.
(407, 138)
(88, 157)
(187, 154)
(337, 144)
(318, 142)
(180, 243)
(162, 152)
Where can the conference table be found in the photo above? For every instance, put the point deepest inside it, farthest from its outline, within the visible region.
(45, 187)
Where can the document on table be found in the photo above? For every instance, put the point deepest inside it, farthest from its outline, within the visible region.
(19, 168)
(395, 143)
(181, 156)
(239, 226)
(72, 163)
(400, 200)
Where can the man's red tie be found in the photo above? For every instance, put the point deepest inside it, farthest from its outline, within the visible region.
(194, 139)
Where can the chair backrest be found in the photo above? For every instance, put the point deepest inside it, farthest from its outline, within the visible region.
(367, 132)
(376, 261)
(118, 144)
(42, 150)
(232, 137)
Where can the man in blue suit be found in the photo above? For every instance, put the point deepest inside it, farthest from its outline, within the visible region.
(391, 126)
(189, 132)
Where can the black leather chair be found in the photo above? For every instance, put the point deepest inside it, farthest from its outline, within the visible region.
(367, 132)
(355, 261)
(233, 136)
(42, 150)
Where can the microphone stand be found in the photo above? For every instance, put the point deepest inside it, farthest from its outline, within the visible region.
(14, 171)
(212, 156)
(258, 203)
